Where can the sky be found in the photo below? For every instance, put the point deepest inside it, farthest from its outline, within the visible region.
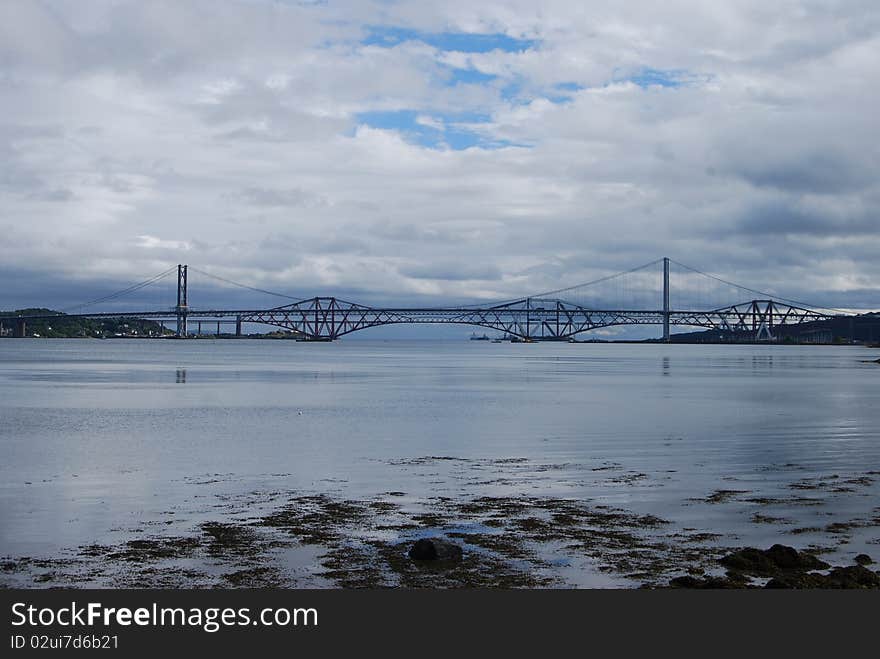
(410, 152)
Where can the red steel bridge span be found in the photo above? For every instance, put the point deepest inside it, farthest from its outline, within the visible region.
(551, 316)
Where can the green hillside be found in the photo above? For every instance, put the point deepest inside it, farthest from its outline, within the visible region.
(64, 327)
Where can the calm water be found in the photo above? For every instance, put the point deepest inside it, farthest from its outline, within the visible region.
(97, 436)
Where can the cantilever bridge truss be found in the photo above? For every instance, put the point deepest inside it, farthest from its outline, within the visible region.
(547, 317)
(328, 318)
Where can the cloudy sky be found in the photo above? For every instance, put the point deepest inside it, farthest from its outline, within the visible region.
(408, 151)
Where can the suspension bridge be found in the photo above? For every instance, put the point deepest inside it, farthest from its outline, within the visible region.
(663, 293)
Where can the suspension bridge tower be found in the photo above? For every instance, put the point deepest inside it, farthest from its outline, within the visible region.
(182, 308)
(666, 299)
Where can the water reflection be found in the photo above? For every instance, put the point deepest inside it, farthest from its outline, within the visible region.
(762, 362)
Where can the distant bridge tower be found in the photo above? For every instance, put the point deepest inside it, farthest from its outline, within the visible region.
(666, 299)
(182, 307)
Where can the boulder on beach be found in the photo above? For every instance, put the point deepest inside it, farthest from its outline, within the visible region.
(770, 562)
(854, 576)
(435, 549)
(709, 582)
(787, 567)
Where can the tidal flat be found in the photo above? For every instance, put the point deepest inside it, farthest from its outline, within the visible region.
(289, 539)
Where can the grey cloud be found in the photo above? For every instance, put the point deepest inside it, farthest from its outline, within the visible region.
(779, 218)
(153, 40)
(282, 197)
(822, 172)
(278, 117)
(329, 243)
(453, 271)
(57, 195)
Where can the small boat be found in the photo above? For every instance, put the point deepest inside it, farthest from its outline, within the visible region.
(474, 337)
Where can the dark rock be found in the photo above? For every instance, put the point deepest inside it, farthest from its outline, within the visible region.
(788, 558)
(704, 583)
(748, 560)
(771, 562)
(435, 549)
(787, 567)
(855, 576)
(798, 581)
(686, 581)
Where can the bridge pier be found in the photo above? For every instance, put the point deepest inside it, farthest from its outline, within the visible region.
(238, 326)
(20, 330)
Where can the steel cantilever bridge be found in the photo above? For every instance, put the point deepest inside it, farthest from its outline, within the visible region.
(558, 315)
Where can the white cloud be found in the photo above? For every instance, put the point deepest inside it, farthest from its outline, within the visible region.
(152, 242)
(430, 122)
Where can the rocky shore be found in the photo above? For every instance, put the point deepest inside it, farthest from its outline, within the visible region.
(784, 567)
(311, 540)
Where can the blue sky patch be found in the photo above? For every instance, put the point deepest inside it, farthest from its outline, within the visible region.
(648, 77)
(562, 92)
(435, 130)
(516, 92)
(465, 42)
(512, 92)
(470, 77)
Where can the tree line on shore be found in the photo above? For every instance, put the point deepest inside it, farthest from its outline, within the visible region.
(62, 326)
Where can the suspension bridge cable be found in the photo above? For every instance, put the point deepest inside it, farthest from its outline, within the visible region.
(120, 293)
(598, 281)
(756, 292)
(240, 285)
(567, 289)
